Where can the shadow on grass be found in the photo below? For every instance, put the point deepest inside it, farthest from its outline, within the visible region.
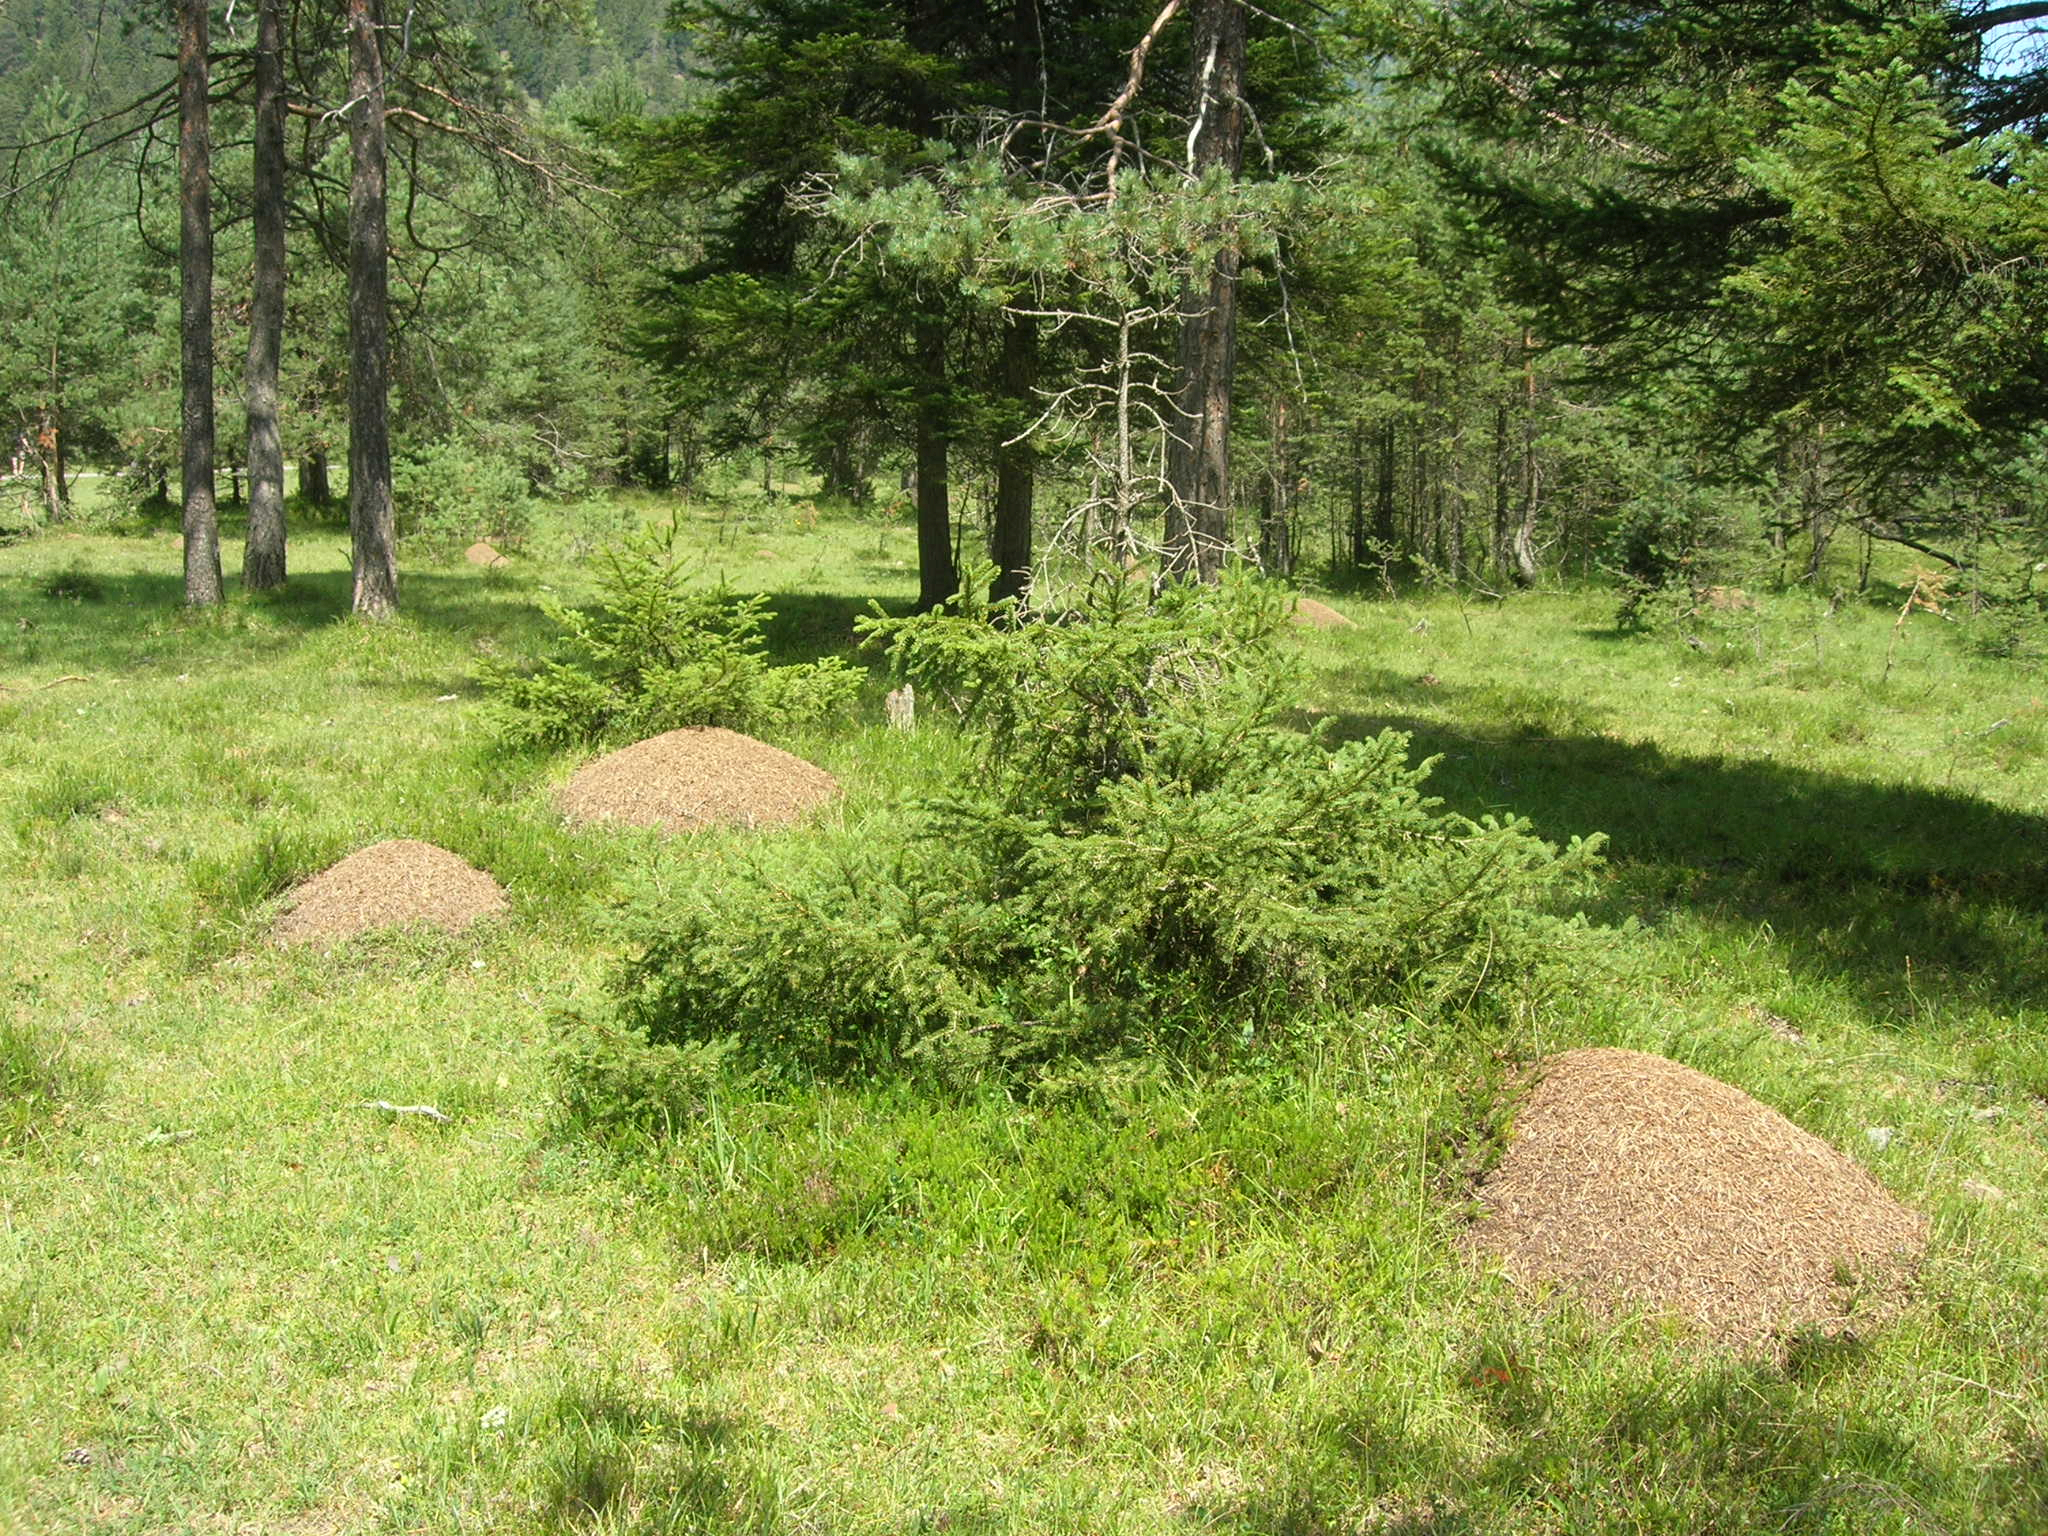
(808, 625)
(1739, 1448)
(1854, 877)
(139, 618)
(622, 1465)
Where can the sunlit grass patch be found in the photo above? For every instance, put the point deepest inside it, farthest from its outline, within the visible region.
(236, 1292)
(42, 1075)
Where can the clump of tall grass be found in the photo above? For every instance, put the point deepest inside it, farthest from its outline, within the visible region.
(39, 1074)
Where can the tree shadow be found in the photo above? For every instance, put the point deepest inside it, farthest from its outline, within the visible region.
(1743, 1446)
(625, 1464)
(98, 621)
(809, 625)
(1852, 876)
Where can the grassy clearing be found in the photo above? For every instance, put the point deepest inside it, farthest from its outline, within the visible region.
(232, 1297)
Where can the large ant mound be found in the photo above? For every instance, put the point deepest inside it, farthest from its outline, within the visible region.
(1639, 1183)
(388, 885)
(682, 781)
(1310, 614)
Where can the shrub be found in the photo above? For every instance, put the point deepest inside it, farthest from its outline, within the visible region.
(2010, 598)
(449, 494)
(1140, 856)
(618, 1088)
(1671, 540)
(19, 514)
(74, 584)
(653, 654)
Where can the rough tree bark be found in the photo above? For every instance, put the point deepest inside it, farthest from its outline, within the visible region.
(371, 522)
(938, 578)
(263, 556)
(195, 314)
(1198, 457)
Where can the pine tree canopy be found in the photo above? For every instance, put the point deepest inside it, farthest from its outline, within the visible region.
(1815, 212)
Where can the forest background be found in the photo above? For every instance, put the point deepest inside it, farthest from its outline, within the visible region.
(1684, 299)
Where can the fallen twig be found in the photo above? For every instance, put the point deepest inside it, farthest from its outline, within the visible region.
(425, 1110)
(74, 677)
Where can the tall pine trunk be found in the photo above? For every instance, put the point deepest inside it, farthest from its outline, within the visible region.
(1198, 457)
(49, 439)
(263, 557)
(1276, 522)
(938, 577)
(314, 483)
(371, 522)
(1010, 537)
(1525, 571)
(1386, 525)
(1010, 530)
(195, 313)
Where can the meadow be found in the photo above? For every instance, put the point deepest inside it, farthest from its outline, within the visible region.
(235, 1296)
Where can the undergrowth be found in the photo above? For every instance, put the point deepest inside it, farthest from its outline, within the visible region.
(1140, 856)
(653, 652)
(687, 1286)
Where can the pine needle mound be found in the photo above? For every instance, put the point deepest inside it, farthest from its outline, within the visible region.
(389, 885)
(1639, 1183)
(1310, 614)
(682, 781)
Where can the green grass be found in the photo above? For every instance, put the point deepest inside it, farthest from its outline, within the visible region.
(232, 1297)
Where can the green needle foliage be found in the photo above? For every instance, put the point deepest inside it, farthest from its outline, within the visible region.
(1140, 856)
(653, 654)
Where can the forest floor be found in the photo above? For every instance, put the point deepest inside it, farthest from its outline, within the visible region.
(235, 1296)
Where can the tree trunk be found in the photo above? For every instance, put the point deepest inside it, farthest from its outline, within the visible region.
(48, 438)
(1501, 499)
(1010, 535)
(59, 438)
(263, 556)
(1386, 529)
(1276, 527)
(371, 520)
(314, 483)
(938, 578)
(1815, 512)
(1525, 571)
(1357, 456)
(1198, 458)
(1010, 525)
(195, 314)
